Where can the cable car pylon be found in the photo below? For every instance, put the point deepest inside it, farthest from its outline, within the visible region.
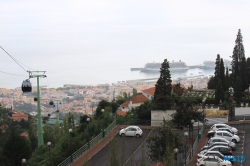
(38, 74)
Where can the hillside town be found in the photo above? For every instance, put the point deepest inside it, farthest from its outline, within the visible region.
(82, 99)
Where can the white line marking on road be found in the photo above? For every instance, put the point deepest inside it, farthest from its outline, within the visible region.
(136, 149)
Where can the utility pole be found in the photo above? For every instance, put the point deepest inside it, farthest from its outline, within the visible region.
(39, 118)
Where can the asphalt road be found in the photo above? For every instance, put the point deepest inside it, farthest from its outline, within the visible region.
(129, 151)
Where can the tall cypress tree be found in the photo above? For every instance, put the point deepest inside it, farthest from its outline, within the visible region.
(227, 80)
(243, 74)
(162, 97)
(217, 70)
(238, 54)
(238, 90)
(222, 74)
(248, 70)
(219, 93)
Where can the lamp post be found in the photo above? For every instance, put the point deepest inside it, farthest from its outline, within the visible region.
(192, 122)
(176, 150)
(23, 161)
(49, 144)
(231, 91)
(88, 120)
(186, 135)
(71, 157)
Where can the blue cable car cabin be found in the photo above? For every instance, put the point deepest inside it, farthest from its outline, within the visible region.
(26, 86)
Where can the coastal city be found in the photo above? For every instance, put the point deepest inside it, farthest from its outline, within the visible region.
(86, 97)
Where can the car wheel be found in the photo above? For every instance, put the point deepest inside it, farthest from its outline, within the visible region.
(234, 141)
(137, 135)
(122, 134)
(202, 165)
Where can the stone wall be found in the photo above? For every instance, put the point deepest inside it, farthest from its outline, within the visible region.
(157, 116)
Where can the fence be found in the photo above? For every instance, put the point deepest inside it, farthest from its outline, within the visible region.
(87, 146)
(190, 155)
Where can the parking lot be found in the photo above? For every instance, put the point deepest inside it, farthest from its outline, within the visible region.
(243, 146)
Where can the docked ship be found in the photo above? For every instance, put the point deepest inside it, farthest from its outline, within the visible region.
(155, 67)
(211, 64)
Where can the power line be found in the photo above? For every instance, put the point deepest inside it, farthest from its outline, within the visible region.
(13, 59)
(10, 73)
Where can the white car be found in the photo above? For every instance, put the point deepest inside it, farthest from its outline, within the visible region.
(217, 126)
(212, 161)
(131, 131)
(227, 135)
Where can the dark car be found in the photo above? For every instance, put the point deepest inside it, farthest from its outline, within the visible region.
(225, 150)
(216, 144)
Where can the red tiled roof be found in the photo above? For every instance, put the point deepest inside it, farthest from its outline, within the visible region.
(149, 91)
(24, 134)
(121, 113)
(137, 99)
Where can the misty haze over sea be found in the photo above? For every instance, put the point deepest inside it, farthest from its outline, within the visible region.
(98, 41)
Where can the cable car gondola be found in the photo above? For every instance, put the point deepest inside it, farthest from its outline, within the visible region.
(51, 102)
(35, 98)
(26, 86)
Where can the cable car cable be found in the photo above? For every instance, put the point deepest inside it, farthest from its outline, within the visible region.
(11, 74)
(13, 59)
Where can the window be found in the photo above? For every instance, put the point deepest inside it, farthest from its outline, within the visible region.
(213, 159)
(219, 134)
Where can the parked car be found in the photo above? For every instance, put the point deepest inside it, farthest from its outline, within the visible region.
(225, 129)
(131, 131)
(220, 139)
(217, 126)
(227, 135)
(216, 153)
(215, 144)
(222, 149)
(213, 161)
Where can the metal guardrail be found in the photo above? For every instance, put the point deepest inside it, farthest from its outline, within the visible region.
(190, 155)
(87, 146)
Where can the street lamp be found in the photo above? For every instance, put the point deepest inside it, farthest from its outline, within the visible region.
(192, 122)
(49, 144)
(176, 151)
(71, 157)
(231, 91)
(23, 161)
(186, 135)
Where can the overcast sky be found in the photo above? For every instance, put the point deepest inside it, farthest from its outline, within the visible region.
(118, 33)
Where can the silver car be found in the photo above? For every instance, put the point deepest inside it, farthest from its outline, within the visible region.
(217, 126)
(220, 139)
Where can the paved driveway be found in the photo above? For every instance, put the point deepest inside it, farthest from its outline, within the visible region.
(129, 150)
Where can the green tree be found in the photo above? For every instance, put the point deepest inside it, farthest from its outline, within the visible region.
(238, 90)
(162, 97)
(219, 93)
(238, 54)
(16, 148)
(162, 144)
(217, 69)
(243, 74)
(33, 137)
(222, 75)
(186, 110)
(134, 92)
(248, 70)
(113, 157)
(211, 83)
(227, 80)
(144, 110)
